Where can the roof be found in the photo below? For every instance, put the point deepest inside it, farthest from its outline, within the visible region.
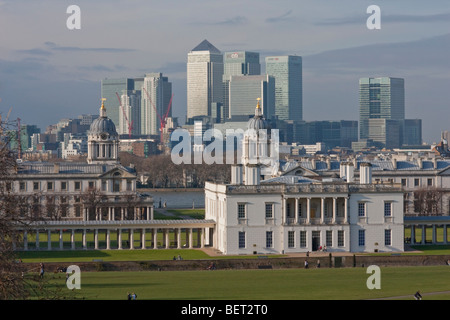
(66, 168)
(377, 165)
(205, 45)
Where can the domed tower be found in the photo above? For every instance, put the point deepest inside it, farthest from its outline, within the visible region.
(103, 140)
(256, 143)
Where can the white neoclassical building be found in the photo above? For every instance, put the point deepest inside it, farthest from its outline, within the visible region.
(294, 213)
(101, 189)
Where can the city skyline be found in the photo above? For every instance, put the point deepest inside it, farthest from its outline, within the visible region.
(50, 72)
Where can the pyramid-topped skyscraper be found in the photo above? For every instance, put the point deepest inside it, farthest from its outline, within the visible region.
(204, 79)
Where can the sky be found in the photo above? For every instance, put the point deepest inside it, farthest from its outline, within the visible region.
(49, 72)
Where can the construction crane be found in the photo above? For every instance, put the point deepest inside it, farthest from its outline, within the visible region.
(129, 125)
(162, 120)
(19, 140)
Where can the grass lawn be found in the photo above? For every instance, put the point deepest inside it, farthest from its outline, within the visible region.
(286, 284)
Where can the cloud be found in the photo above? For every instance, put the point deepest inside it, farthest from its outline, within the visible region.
(395, 18)
(233, 21)
(284, 17)
(35, 51)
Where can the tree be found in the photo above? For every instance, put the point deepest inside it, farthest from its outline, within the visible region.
(427, 201)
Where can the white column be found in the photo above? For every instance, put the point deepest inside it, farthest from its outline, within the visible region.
(296, 211)
(108, 239)
(346, 210)
(191, 235)
(131, 238)
(322, 209)
(72, 239)
(143, 238)
(155, 238)
(308, 210)
(166, 233)
(334, 210)
(202, 237)
(413, 234)
(61, 244)
(178, 238)
(284, 217)
(151, 213)
(119, 239)
(96, 239)
(84, 239)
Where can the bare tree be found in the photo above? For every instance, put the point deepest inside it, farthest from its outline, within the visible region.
(427, 201)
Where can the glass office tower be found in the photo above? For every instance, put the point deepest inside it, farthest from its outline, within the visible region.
(204, 79)
(380, 98)
(238, 63)
(287, 71)
(109, 87)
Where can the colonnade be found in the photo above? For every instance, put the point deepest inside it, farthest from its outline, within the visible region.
(157, 234)
(315, 210)
(116, 212)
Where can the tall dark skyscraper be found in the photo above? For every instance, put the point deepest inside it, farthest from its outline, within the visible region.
(287, 71)
(380, 98)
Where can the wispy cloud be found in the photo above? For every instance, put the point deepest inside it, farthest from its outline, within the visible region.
(233, 21)
(394, 18)
(284, 17)
(55, 47)
(35, 52)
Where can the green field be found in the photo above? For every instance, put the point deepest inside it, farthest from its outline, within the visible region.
(285, 284)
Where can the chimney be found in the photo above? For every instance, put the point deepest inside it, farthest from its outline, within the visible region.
(365, 173)
(394, 163)
(420, 163)
(350, 168)
(56, 167)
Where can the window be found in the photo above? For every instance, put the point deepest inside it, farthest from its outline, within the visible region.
(241, 239)
(103, 185)
(49, 185)
(241, 211)
(362, 237)
(269, 239)
(340, 238)
(429, 182)
(128, 185)
(35, 185)
(387, 237)
(302, 239)
(403, 182)
(22, 186)
(388, 209)
(329, 238)
(299, 209)
(91, 184)
(63, 185)
(416, 182)
(291, 239)
(77, 185)
(116, 185)
(361, 209)
(269, 210)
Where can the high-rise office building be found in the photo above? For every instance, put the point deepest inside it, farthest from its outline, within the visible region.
(156, 96)
(287, 71)
(380, 98)
(130, 116)
(238, 63)
(204, 79)
(109, 88)
(243, 92)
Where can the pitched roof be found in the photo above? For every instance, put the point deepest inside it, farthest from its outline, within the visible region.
(205, 45)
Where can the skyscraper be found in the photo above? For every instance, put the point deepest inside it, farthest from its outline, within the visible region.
(204, 79)
(380, 98)
(156, 94)
(238, 63)
(243, 92)
(287, 71)
(130, 116)
(108, 91)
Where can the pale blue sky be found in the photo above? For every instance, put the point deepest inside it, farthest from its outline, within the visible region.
(48, 72)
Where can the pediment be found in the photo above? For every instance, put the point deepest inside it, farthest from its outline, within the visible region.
(118, 172)
(300, 171)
